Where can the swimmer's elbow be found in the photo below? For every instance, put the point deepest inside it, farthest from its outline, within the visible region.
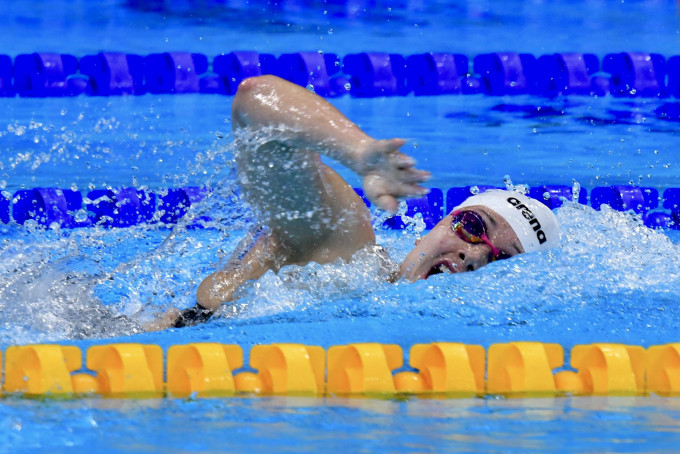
(255, 84)
(246, 110)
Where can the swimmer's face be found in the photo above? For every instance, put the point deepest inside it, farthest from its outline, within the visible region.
(443, 251)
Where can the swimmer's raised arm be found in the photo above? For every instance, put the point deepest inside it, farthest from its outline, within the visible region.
(311, 213)
(311, 123)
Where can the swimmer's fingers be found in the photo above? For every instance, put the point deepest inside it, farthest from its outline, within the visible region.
(414, 176)
(402, 161)
(387, 203)
(384, 157)
(384, 192)
(390, 174)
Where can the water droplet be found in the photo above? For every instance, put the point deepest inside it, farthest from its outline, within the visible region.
(575, 191)
(80, 216)
(474, 190)
(508, 183)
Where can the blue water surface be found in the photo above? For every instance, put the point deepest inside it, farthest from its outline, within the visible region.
(611, 279)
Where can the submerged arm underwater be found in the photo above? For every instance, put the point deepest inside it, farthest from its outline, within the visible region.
(312, 214)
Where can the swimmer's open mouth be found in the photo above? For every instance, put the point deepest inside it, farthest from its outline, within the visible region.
(440, 267)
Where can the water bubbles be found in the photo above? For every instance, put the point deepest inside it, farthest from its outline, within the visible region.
(575, 191)
(80, 216)
(508, 183)
(474, 190)
(18, 130)
(521, 188)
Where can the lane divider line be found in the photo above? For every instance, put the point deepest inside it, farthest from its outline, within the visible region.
(439, 369)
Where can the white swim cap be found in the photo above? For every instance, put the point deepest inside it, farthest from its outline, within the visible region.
(534, 223)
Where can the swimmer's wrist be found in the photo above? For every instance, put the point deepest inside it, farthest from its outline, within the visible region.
(360, 158)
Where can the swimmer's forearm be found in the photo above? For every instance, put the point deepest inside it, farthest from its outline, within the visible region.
(256, 254)
(311, 122)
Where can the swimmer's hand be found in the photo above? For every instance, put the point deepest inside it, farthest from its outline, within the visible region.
(389, 174)
(165, 321)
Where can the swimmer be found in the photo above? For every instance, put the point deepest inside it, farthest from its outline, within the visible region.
(312, 215)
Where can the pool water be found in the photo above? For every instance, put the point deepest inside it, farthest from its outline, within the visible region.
(611, 280)
(358, 425)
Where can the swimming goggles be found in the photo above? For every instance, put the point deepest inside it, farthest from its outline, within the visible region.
(470, 227)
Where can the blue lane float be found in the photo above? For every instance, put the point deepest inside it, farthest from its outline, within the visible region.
(5, 204)
(314, 71)
(554, 196)
(658, 220)
(174, 72)
(43, 74)
(624, 198)
(671, 202)
(175, 203)
(636, 74)
(120, 208)
(6, 88)
(506, 73)
(374, 74)
(365, 74)
(234, 67)
(673, 68)
(429, 208)
(47, 206)
(436, 73)
(113, 73)
(124, 207)
(568, 74)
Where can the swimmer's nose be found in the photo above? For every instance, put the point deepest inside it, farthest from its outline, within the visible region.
(474, 259)
(418, 240)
